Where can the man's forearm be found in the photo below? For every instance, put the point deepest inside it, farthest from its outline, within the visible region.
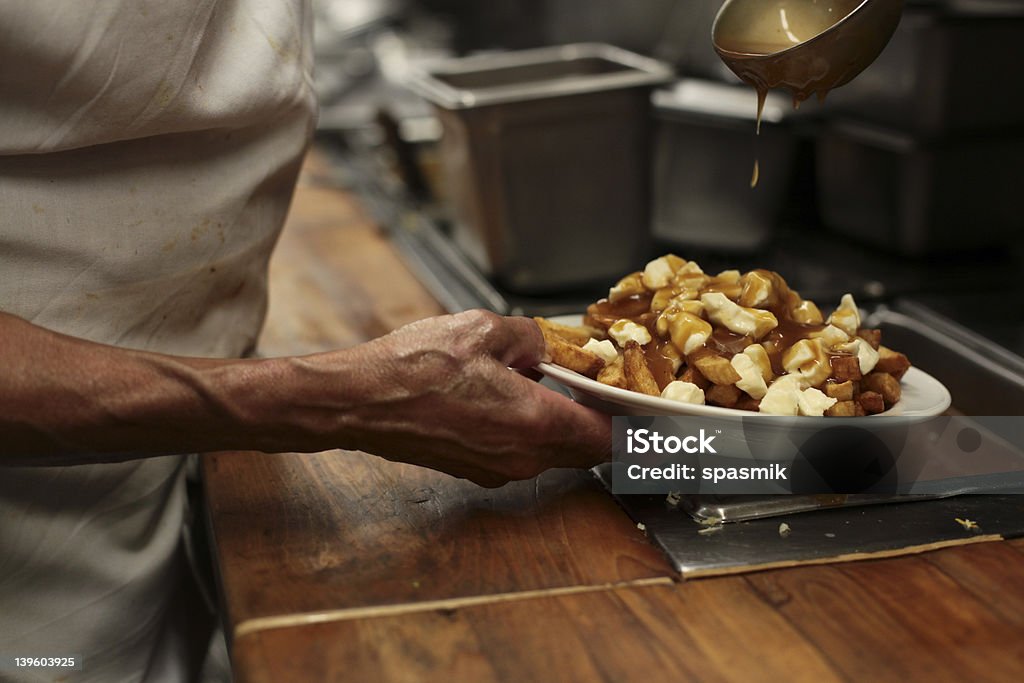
(64, 400)
(436, 393)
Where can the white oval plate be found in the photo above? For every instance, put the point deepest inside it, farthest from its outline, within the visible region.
(923, 395)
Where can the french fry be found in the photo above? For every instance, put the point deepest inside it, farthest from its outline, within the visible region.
(638, 375)
(724, 395)
(614, 374)
(576, 335)
(892, 362)
(845, 368)
(693, 376)
(871, 401)
(748, 403)
(845, 409)
(840, 391)
(717, 369)
(871, 336)
(570, 356)
(884, 384)
(596, 319)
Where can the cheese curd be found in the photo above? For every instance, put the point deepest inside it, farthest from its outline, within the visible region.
(690, 276)
(814, 403)
(806, 312)
(684, 392)
(807, 358)
(604, 349)
(757, 287)
(783, 396)
(752, 322)
(623, 331)
(760, 357)
(751, 379)
(846, 316)
(657, 274)
(626, 287)
(687, 331)
(832, 336)
(668, 296)
(690, 268)
(867, 357)
(788, 396)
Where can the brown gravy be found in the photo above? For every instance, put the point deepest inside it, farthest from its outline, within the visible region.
(778, 25)
(768, 27)
(722, 342)
(660, 366)
(605, 312)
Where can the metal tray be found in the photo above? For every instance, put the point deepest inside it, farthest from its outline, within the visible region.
(546, 158)
(724, 509)
(984, 379)
(829, 535)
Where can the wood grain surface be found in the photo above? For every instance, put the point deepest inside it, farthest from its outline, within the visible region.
(342, 566)
(342, 530)
(884, 620)
(636, 634)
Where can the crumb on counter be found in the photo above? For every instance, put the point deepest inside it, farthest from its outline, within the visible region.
(968, 524)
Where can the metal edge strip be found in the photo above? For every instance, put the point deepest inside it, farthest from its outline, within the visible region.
(259, 624)
(706, 572)
(645, 72)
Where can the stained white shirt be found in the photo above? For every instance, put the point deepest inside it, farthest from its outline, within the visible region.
(148, 152)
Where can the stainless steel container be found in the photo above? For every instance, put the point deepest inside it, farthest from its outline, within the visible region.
(546, 156)
(706, 147)
(949, 68)
(627, 24)
(917, 197)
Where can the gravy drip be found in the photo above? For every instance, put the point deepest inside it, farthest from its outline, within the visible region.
(775, 27)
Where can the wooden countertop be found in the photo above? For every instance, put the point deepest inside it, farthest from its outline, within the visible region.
(341, 565)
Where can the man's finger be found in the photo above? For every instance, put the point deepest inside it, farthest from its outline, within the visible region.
(517, 343)
(587, 432)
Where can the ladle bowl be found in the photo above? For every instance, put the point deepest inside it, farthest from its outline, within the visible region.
(760, 42)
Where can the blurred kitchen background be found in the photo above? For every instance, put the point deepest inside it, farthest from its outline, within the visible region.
(525, 176)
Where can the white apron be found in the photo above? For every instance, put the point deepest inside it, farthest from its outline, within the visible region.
(148, 151)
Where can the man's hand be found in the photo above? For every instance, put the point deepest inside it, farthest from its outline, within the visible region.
(440, 393)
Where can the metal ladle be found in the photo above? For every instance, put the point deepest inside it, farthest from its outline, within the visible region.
(795, 44)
